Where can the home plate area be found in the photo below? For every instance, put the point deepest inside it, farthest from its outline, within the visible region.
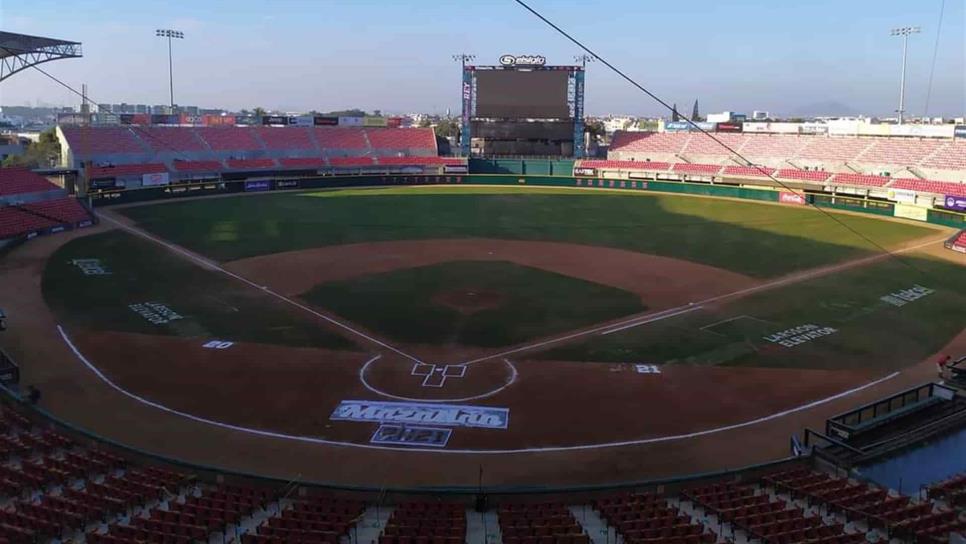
(436, 376)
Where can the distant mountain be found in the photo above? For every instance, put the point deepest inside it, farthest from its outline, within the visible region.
(825, 108)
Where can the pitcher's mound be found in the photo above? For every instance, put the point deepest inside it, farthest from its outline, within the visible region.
(469, 301)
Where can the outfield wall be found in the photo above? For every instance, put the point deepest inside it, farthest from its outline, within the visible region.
(792, 198)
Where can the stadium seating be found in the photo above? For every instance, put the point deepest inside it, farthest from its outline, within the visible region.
(229, 138)
(949, 156)
(418, 161)
(552, 523)
(413, 520)
(317, 519)
(647, 518)
(302, 162)
(290, 138)
(61, 210)
(198, 166)
(169, 138)
(338, 138)
(803, 175)
(927, 186)
(91, 141)
(862, 180)
(135, 169)
(15, 222)
(15, 181)
(251, 164)
(701, 169)
(351, 162)
(898, 152)
(749, 171)
(402, 138)
(624, 165)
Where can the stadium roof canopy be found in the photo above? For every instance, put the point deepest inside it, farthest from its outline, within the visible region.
(20, 51)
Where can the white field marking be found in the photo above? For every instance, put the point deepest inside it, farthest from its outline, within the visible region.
(362, 378)
(723, 321)
(217, 268)
(651, 320)
(787, 280)
(312, 440)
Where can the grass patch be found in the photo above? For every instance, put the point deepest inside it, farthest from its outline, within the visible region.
(403, 304)
(212, 305)
(752, 238)
(870, 333)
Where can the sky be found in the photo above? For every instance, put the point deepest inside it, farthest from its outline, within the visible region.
(396, 56)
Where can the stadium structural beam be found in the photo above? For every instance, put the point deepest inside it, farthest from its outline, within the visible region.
(21, 51)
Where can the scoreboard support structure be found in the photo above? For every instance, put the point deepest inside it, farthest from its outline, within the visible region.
(575, 101)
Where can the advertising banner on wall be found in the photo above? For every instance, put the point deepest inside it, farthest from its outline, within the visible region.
(728, 127)
(373, 121)
(953, 202)
(274, 120)
(677, 126)
(218, 120)
(260, 185)
(583, 171)
(247, 120)
(302, 121)
(165, 119)
(960, 131)
(902, 195)
(908, 211)
(325, 121)
(786, 197)
(350, 121)
(157, 178)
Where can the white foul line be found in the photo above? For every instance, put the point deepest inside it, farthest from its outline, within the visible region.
(215, 267)
(312, 440)
(794, 278)
(651, 320)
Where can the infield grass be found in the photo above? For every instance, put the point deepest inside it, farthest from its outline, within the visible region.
(756, 239)
(404, 304)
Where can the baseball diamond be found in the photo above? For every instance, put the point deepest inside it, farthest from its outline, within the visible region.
(553, 314)
(338, 312)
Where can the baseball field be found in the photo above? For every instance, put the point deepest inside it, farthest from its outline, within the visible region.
(267, 314)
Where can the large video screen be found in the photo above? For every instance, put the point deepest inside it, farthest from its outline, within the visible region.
(512, 94)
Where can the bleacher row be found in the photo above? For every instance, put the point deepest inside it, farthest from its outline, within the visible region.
(317, 141)
(18, 218)
(817, 177)
(54, 488)
(925, 153)
(284, 163)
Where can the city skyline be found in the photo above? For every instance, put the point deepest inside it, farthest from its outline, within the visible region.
(251, 56)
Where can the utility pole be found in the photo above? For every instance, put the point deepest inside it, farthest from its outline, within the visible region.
(903, 31)
(169, 34)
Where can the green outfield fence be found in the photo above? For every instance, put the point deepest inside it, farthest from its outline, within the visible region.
(881, 208)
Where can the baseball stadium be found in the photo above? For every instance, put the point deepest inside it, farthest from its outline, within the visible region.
(337, 331)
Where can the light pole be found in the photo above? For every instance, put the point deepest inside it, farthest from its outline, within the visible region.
(462, 58)
(169, 34)
(584, 59)
(903, 31)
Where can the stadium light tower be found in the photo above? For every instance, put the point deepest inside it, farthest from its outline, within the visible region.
(170, 34)
(584, 59)
(903, 31)
(463, 58)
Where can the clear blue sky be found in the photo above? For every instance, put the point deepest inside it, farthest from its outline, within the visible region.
(395, 55)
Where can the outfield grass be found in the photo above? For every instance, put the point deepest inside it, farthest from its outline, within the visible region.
(403, 304)
(752, 238)
(212, 305)
(870, 332)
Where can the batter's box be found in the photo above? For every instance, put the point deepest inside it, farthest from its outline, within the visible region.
(436, 376)
(742, 327)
